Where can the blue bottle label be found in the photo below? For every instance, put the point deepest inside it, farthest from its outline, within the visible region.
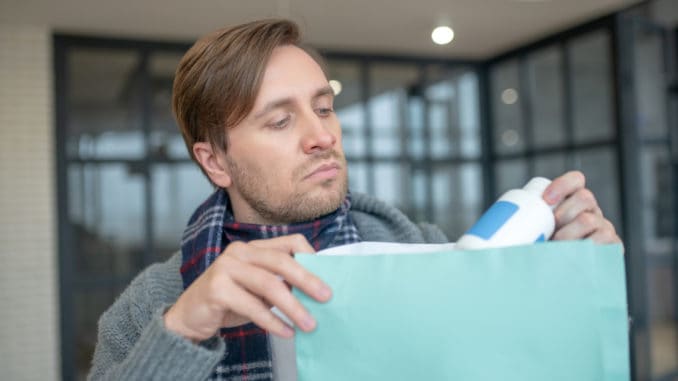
(493, 219)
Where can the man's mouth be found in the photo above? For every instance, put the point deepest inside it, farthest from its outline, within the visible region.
(324, 172)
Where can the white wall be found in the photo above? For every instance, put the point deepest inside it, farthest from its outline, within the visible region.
(29, 345)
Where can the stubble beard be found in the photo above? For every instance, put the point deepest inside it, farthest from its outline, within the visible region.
(300, 206)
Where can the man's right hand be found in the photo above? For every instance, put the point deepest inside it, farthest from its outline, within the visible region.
(241, 286)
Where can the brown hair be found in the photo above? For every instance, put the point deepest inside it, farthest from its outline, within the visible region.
(218, 79)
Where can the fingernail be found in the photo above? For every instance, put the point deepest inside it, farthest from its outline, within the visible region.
(324, 292)
(308, 323)
(551, 197)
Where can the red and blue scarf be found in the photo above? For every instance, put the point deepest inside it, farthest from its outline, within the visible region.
(210, 230)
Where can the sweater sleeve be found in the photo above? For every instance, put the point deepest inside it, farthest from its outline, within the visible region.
(432, 233)
(133, 344)
(379, 221)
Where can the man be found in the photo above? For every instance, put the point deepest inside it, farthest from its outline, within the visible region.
(255, 110)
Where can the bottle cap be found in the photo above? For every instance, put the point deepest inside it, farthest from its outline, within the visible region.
(537, 185)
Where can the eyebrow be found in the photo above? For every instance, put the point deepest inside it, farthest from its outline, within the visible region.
(321, 92)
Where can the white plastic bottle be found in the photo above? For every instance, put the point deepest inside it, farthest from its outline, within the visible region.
(520, 216)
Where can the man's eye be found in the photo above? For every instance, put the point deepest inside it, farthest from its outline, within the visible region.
(281, 123)
(324, 111)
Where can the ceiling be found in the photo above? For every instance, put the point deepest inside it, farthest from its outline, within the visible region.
(483, 27)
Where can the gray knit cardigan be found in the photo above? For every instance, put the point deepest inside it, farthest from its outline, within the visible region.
(133, 343)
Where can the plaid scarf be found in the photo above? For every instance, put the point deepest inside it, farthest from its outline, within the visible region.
(209, 231)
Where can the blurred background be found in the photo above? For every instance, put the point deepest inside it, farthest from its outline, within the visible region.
(96, 183)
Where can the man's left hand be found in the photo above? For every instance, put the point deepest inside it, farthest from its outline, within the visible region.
(578, 216)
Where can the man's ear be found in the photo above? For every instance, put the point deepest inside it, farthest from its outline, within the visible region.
(213, 163)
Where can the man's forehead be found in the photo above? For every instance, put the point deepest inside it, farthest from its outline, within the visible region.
(291, 72)
(290, 64)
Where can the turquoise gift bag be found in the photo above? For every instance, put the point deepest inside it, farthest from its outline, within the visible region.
(550, 311)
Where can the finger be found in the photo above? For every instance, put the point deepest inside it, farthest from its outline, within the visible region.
(585, 224)
(563, 186)
(266, 285)
(604, 236)
(581, 201)
(280, 263)
(245, 304)
(293, 243)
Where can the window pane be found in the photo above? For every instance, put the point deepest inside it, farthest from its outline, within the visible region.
(416, 146)
(357, 177)
(650, 81)
(177, 191)
(592, 97)
(165, 139)
(509, 132)
(170, 145)
(440, 115)
(658, 195)
(457, 198)
(107, 219)
(550, 166)
(420, 200)
(453, 115)
(390, 85)
(441, 96)
(349, 107)
(510, 174)
(469, 114)
(388, 183)
(104, 104)
(546, 91)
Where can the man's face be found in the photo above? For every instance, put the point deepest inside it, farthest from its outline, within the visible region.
(285, 160)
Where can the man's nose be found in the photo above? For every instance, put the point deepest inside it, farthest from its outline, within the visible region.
(318, 135)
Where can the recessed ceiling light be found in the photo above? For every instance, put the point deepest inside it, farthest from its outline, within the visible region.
(510, 137)
(442, 35)
(336, 86)
(509, 96)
